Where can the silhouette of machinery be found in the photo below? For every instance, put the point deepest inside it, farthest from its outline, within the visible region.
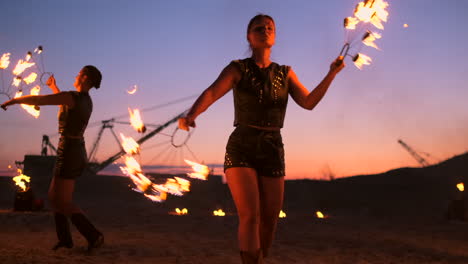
(414, 154)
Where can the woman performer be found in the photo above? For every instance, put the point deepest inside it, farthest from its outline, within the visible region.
(254, 160)
(75, 111)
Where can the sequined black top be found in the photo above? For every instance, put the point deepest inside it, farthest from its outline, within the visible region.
(261, 96)
(73, 121)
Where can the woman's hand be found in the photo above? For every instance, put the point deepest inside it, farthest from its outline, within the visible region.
(185, 123)
(8, 103)
(337, 65)
(51, 82)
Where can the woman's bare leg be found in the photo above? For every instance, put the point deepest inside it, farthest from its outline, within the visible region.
(271, 201)
(243, 183)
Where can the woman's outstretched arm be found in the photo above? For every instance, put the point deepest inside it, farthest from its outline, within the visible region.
(62, 98)
(225, 81)
(301, 94)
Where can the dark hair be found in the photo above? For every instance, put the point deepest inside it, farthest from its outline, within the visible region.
(256, 18)
(94, 75)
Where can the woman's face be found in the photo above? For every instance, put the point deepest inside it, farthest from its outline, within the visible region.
(262, 33)
(79, 79)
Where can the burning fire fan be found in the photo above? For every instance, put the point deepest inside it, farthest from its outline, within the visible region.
(368, 14)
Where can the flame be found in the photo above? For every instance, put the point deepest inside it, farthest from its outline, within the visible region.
(5, 61)
(38, 50)
(135, 87)
(369, 39)
(361, 60)
(130, 145)
(405, 25)
(176, 186)
(136, 121)
(319, 214)
(21, 66)
(31, 109)
(17, 81)
(372, 11)
(461, 187)
(219, 212)
(200, 171)
(282, 214)
(28, 56)
(178, 211)
(31, 78)
(351, 22)
(21, 180)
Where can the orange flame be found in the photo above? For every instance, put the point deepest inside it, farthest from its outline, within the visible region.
(21, 180)
(200, 171)
(461, 187)
(176, 186)
(135, 87)
(21, 66)
(38, 50)
(178, 211)
(405, 25)
(351, 22)
(369, 39)
(129, 145)
(282, 214)
(5, 61)
(361, 60)
(219, 212)
(136, 121)
(17, 81)
(32, 110)
(372, 11)
(31, 78)
(28, 56)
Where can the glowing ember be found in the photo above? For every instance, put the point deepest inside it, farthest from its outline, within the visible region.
(178, 211)
(21, 180)
(135, 87)
(32, 110)
(136, 121)
(219, 212)
(369, 39)
(319, 214)
(361, 59)
(282, 214)
(405, 25)
(31, 78)
(130, 145)
(16, 81)
(5, 61)
(200, 171)
(461, 187)
(21, 66)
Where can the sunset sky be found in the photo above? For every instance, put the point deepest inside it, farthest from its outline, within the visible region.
(414, 90)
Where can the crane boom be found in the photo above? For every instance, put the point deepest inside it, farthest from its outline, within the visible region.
(413, 153)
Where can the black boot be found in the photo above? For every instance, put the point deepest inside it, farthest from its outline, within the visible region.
(63, 232)
(93, 236)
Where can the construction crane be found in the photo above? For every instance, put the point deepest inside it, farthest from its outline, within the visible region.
(414, 154)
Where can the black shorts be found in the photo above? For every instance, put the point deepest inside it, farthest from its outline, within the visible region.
(71, 158)
(258, 149)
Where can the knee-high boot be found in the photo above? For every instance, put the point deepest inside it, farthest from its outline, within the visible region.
(252, 257)
(63, 231)
(86, 228)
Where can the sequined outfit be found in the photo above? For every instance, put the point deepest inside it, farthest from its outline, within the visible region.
(71, 152)
(260, 99)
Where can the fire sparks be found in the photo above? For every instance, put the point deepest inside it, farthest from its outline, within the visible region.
(32, 110)
(5, 61)
(405, 25)
(369, 39)
(282, 214)
(200, 171)
(129, 145)
(136, 121)
(21, 66)
(183, 211)
(219, 212)
(21, 180)
(361, 60)
(31, 78)
(135, 87)
(461, 187)
(319, 214)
